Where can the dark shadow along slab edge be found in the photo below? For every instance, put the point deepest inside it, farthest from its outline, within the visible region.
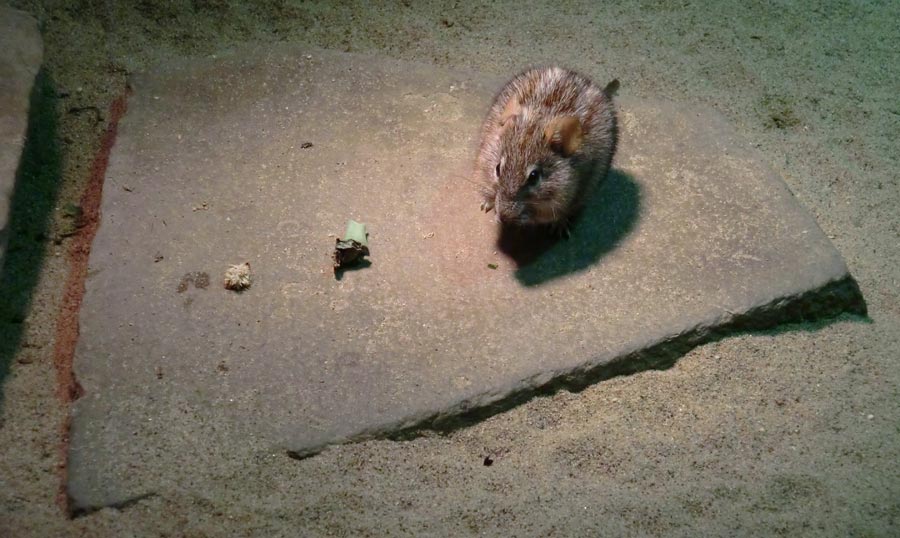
(841, 296)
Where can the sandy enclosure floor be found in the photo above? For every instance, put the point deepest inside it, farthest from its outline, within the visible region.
(793, 432)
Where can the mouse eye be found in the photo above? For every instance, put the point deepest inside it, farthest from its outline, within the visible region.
(534, 176)
(497, 170)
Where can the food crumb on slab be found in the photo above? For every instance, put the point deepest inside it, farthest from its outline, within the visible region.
(351, 249)
(237, 277)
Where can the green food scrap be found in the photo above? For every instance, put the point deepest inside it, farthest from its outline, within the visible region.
(353, 246)
(356, 231)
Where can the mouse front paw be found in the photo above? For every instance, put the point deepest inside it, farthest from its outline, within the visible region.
(487, 205)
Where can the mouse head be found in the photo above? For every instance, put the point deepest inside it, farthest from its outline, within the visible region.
(535, 178)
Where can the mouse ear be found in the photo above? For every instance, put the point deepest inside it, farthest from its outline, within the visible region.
(564, 134)
(512, 109)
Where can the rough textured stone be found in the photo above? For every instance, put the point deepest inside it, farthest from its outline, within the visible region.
(691, 236)
(21, 52)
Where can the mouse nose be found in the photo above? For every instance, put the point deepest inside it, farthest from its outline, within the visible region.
(505, 213)
(511, 213)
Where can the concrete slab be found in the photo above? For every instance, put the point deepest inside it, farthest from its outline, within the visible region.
(692, 235)
(21, 53)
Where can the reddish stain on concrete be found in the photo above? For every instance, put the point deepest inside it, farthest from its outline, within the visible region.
(67, 387)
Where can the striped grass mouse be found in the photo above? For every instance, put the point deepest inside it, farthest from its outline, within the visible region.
(547, 141)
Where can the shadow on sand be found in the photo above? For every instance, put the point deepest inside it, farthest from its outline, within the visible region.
(36, 191)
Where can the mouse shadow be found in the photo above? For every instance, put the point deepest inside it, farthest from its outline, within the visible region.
(609, 216)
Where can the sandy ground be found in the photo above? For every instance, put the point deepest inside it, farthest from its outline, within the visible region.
(794, 432)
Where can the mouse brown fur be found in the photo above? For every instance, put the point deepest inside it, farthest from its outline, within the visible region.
(548, 139)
